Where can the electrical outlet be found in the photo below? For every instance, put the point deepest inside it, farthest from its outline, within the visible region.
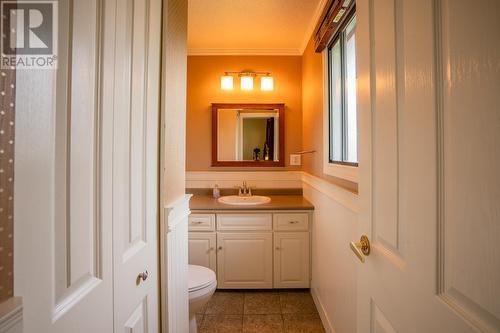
(295, 159)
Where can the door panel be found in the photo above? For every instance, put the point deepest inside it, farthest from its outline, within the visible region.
(429, 193)
(387, 48)
(202, 247)
(137, 323)
(136, 137)
(469, 163)
(380, 324)
(244, 260)
(78, 149)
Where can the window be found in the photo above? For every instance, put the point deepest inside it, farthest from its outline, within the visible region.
(342, 113)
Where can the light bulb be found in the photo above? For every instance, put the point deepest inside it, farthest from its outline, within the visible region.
(246, 83)
(267, 83)
(226, 82)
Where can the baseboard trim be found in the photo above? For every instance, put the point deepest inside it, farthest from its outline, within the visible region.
(322, 313)
(11, 315)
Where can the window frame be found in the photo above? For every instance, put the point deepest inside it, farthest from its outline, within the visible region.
(340, 169)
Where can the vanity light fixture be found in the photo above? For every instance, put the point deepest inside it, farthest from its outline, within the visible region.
(246, 80)
(267, 83)
(226, 82)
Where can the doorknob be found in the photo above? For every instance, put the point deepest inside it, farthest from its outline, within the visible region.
(361, 248)
(143, 276)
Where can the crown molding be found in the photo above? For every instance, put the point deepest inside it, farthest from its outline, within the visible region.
(242, 52)
(312, 25)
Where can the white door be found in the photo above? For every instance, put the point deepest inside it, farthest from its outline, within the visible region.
(63, 167)
(291, 260)
(244, 260)
(135, 166)
(202, 249)
(428, 88)
(87, 176)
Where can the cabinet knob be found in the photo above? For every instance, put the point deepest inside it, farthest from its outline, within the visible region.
(277, 248)
(211, 249)
(294, 222)
(220, 248)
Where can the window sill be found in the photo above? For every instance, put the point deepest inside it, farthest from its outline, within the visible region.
(347, 172)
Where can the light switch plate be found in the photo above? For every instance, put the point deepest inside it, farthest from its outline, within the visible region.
(295, 159)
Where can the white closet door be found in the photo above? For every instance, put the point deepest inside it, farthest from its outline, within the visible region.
(429, 101)
(135, 166)
(63, 185)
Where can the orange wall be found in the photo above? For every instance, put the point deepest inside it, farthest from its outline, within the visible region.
(203, 88)
(312, 116)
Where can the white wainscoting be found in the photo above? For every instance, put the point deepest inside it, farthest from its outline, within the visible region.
(257, 179)
(11, 316)
(333, 284)
(174, 262)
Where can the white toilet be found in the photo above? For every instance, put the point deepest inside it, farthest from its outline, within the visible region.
(202, 284)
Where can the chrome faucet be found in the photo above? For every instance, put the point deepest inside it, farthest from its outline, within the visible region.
(244, 191)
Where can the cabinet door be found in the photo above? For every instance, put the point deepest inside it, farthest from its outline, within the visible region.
(202, 249)
(244, 260)
(291, 260)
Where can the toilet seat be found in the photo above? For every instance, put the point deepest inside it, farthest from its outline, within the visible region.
(200, 277)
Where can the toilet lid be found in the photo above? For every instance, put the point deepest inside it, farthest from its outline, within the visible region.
(199, 277)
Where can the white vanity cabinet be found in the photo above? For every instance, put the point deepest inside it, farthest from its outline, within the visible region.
(291, 260)
(203, 249)
(244, 260)
(253, 249)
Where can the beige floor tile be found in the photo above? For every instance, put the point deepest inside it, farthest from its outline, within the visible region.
(222, 323)
(199, 320)
(302, 323)
(266, 302)
(226, 302)
(203, 309)
(272, 323)
(297, 302)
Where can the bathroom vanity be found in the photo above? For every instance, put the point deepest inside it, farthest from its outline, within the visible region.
(256, 247)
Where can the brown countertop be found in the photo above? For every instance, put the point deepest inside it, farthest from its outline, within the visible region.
(278, 202)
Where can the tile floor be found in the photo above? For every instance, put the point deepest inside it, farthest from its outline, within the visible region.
(262, 311)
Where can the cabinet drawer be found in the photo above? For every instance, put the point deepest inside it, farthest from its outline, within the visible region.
(202, 222)
(291, 222)
(251, 222)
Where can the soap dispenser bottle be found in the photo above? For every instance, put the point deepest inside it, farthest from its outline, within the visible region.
(216, 192)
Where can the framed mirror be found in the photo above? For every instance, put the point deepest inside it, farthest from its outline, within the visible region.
(248, 135)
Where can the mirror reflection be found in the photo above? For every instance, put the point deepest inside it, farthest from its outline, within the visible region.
(247, 135)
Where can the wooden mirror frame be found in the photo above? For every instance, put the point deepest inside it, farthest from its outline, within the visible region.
(281, 111)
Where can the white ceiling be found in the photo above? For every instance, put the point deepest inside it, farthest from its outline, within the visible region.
(251, 26)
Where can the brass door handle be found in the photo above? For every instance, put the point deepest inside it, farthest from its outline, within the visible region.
(361, 248)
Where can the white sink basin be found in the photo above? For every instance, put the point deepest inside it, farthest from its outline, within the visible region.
(244, 201)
